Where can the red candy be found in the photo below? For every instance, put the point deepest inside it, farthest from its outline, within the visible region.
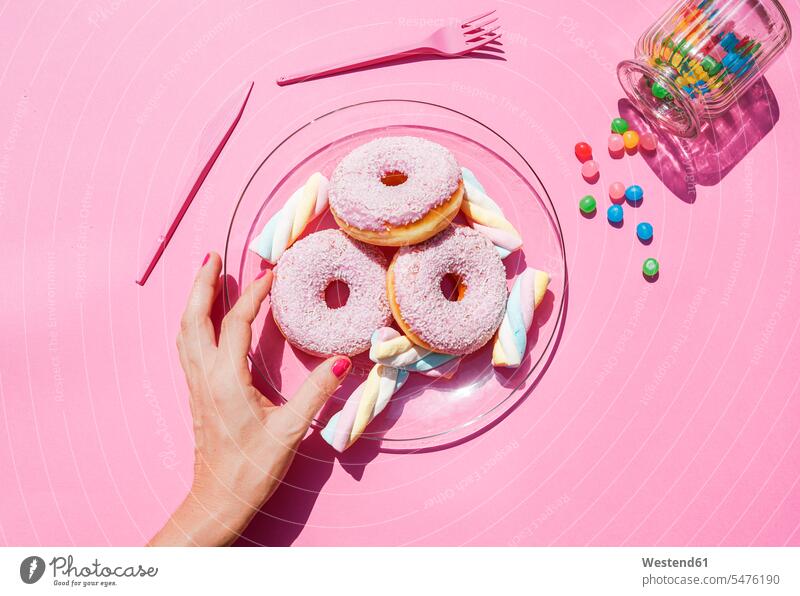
(583, 151)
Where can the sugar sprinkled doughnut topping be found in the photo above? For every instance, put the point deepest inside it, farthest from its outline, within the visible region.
(359, 197)
(452, 327)
(303, 274)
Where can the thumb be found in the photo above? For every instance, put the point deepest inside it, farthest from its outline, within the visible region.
(296, 415)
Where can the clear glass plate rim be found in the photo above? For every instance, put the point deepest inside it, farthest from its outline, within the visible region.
(552, 213)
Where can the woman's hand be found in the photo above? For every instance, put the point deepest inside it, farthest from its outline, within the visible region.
(243, 443)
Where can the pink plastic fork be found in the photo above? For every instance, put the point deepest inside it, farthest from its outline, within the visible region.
(471, 35)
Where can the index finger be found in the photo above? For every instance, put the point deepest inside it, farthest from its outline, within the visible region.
(197, 328)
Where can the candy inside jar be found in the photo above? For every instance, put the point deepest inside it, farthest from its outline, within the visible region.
(700, 56)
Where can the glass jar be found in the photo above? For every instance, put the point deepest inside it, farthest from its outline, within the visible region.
(696, 60)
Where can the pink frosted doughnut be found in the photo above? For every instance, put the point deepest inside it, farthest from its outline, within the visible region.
(422, 310)
(298, 294)
(395, 191)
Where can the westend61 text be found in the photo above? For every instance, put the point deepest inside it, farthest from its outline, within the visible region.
(690, 562)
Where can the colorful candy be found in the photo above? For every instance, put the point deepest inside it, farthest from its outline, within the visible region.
(615, 144)
(650, 267)
(616, 192)
(512, 336)
(710, 66)
(588, 204)
(364, 404)
(648, 141)
(701, 55)
(631, 139)
(644, 231)
(659, 90)
(486, 216)
(619, 125)
(634, 193)
(391, 348)
(615, 214)
(583, 151)
(283, 228)
(590, 171)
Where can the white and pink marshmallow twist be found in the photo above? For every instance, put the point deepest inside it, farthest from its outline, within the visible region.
(364, 404)
(511, 340)
(306, 203)
(486, 216)
(392, 348)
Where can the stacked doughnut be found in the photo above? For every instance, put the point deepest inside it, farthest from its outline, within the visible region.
(397, 192)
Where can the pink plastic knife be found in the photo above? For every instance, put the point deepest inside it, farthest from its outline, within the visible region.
(215, 136)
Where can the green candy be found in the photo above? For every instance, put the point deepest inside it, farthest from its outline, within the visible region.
(588, 204)
(659, 90)
(710, 65)
(650, 267)
(619, 125)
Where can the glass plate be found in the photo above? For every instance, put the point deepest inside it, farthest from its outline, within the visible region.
(425, 413)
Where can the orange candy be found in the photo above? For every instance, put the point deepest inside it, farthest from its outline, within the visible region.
(631, 139)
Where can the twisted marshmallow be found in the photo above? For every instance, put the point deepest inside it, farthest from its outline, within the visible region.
(364, 404)
(283, 228)
(392, 348)
(512, 337)
(486, 216)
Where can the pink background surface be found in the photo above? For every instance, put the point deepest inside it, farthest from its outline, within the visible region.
(668, 416)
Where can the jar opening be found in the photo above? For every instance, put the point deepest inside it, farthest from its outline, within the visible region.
(675, 114)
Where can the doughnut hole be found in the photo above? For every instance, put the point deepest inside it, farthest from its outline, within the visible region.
(393, 178)
(453, 287)
(336, 294)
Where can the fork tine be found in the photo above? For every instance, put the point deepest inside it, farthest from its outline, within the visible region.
(477, 26)
(487, 41)
(470, 20)
(482, 34)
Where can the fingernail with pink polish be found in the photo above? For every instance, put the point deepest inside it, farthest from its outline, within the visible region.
(340, 367)
(262, 273)
(205, 259)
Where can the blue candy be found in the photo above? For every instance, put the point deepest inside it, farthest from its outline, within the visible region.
(644, 231)
(615, 213)
(729, 41)
(634, 193)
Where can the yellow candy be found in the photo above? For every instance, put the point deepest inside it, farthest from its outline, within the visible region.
(676, 59)
(630, 138)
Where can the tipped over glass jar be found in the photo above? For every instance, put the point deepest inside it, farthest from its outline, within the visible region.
(698, 58)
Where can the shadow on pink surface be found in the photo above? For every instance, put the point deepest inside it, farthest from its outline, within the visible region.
(682, 164)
